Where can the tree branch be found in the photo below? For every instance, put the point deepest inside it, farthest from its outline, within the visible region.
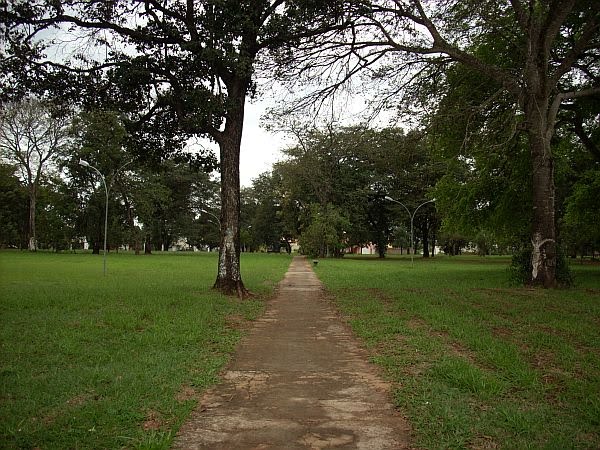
(520, 14)
(556, 18)
(553, 111)
(589, 32)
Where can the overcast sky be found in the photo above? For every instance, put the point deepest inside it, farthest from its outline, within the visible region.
(260, 148)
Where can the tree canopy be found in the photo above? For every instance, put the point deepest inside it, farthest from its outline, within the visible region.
(539, 56)
(502, 96)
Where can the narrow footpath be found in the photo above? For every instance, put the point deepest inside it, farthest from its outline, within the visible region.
(298, 380)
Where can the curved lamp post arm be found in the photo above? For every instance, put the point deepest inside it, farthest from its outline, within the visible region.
(390, 199)
(424, 203)
(211, 214)
(84, 163)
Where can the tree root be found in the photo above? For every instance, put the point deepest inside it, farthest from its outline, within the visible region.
(233, 289)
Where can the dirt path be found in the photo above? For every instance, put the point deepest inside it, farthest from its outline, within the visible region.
(297, 381)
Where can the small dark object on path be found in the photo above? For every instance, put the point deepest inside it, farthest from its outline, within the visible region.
(315, 262)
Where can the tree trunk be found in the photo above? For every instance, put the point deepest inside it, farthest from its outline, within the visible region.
(148, 248)
(229, 279)
(543, 232)
(134, 238)
(32, 244)
(543, 240)
(425, 231)
(96, 248)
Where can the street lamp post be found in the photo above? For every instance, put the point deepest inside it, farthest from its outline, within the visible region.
(84, 163)
(87, 164)
(412, 218)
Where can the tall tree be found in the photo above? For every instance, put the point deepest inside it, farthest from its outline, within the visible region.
(329, 168)
(556, 48)
(13, 208)
(266, 223)
(32, 136)
(353, 169)
(58, 214)
(100, 138)
(485, 189)
(186, 67)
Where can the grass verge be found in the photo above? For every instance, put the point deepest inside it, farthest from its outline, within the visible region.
(477, 363)
(119, 361)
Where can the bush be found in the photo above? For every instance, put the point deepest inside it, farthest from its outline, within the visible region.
(520, 267)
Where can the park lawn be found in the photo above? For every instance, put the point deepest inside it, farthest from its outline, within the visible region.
(474, 361)
(88, 361)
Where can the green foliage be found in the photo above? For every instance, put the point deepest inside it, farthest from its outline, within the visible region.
(582, 207)
(13, 209)
(266, 226)
(520, 267)
(325, 234)
(490, 366)
(117, 361)
(354, 168)
(153, 202)
(58, 215)
(487, 183)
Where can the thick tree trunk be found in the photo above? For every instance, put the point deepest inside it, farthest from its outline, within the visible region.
(229, 278)
(543, 232)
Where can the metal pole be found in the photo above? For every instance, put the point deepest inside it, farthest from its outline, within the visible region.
(412, 241)
(412, 218)
(87, 164)
(105, 222)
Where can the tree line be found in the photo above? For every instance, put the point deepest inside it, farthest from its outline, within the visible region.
(51, 201)
(495, 81)
(328, 192)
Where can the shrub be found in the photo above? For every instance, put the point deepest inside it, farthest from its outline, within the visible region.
(520, 267)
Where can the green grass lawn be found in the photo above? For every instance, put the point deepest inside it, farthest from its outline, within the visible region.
(475, 362)
(88, 361)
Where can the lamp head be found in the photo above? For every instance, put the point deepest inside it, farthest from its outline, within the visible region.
(84, 163)
(387, 197)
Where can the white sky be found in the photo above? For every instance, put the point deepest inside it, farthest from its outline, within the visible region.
(260, 148)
